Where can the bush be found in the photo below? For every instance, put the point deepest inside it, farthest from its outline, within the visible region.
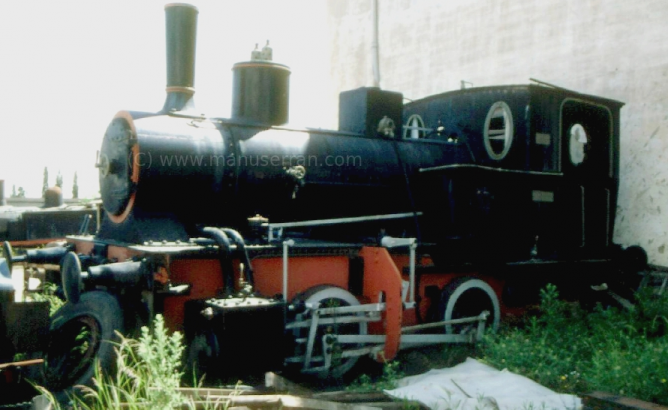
(387, 380)
(48, 294)
(575, 351)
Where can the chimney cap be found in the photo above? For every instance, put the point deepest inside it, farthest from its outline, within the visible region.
(168, 5)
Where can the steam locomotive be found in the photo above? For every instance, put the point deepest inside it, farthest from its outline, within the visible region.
(275, 246)
(27, 226)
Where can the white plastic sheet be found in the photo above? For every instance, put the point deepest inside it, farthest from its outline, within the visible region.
(476, 386)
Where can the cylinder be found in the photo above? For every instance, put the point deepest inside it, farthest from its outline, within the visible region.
(261, 92)
(3, 201)
(181, 36)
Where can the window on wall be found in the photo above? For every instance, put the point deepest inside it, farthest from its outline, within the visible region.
(577, 143)
(498, 133)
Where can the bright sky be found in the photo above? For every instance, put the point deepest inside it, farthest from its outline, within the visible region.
(68, 66)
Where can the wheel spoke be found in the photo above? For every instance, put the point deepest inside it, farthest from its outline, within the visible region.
(326, 297)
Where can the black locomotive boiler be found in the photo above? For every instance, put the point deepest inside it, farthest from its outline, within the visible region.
(477, 167)
(245, 230)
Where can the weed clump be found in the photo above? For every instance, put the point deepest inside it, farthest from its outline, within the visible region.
(48, 294)
(576, 351)
(147, 374)
(387, 380)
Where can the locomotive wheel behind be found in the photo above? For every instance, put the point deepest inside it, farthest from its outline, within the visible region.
(81, 334)
(331, 296)
(467, 297)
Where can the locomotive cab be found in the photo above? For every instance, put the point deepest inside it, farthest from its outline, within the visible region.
(542, 174)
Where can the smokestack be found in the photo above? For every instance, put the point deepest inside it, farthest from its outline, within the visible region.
(3, 201)
(181, 28)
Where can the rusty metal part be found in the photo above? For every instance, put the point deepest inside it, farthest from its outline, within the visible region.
(607, 401)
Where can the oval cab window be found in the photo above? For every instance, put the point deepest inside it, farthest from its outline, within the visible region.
(577, 143)
(498, 133)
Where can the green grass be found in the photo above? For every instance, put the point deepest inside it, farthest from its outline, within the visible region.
(47, 294)
(564, 348)
(387, 380)
(575, 351)
(148, 374)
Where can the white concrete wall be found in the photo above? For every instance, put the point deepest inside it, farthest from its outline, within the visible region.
(615, 48)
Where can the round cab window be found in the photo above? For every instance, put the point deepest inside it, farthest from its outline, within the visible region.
(577, 143)
(498, 134)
